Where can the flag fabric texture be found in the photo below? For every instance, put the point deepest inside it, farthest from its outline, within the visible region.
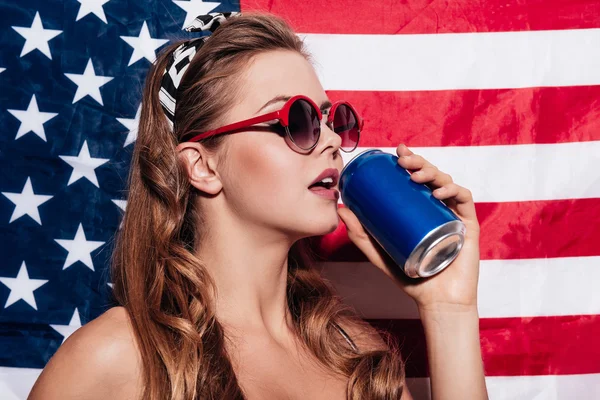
(502, 95)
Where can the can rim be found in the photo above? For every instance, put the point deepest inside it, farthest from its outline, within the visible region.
(413, 267)
(355, 157)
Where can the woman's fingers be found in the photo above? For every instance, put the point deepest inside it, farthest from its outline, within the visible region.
(432, 176)
(460, 199)
(353, 225)
(402, 150)
(423, 171)
(360, 237)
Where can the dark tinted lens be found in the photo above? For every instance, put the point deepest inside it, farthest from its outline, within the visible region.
(304, 124)
(345, 124)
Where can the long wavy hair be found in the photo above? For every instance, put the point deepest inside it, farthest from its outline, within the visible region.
(167, 289)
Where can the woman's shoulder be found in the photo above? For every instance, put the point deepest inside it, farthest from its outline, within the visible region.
(98, 360)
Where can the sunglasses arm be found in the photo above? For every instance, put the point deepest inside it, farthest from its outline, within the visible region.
(237, 126)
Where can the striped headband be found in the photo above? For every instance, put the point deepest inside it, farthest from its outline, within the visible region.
(182, 57)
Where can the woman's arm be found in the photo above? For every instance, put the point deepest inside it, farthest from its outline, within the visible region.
(454, 354)
(447, 301)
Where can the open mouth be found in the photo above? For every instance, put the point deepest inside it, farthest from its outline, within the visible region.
(326, 189)
(326, 183)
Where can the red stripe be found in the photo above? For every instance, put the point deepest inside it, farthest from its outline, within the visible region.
(420, 16)
(512, 230)
(477, 117)
(515, 346)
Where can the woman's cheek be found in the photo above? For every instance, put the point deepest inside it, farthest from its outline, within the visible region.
(269, 169)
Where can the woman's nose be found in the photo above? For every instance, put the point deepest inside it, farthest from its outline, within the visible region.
(328, 136)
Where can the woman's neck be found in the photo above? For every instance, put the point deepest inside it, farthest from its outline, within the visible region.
(250, 272)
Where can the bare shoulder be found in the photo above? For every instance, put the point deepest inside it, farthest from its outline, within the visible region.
(99, 360)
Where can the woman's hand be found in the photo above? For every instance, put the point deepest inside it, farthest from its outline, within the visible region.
(455, 288)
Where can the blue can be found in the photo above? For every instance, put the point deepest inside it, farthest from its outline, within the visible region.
(419, 232)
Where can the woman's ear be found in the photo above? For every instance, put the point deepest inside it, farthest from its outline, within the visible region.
(200, 167)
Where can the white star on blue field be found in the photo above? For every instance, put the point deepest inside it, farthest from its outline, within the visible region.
(71, 77)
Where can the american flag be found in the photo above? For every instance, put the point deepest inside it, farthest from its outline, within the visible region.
(503, 95)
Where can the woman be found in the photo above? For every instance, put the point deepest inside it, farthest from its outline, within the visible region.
(212, 270)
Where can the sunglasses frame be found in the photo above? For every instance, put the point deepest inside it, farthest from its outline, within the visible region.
(282, 115)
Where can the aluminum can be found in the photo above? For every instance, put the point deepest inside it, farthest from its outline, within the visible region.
(420, 233)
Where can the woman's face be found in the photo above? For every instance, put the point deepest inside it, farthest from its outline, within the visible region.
(265, 181)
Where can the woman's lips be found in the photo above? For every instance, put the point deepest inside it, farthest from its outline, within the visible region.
(330, 194)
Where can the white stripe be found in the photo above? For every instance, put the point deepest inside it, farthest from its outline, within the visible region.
(456, 60)
(542, 387)
(16, 383)
(507, 288)
(517, 172)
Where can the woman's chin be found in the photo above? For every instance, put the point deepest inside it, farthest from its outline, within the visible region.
(328, 225)
(319, 225)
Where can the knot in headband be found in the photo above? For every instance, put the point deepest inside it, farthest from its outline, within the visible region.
(182, 57)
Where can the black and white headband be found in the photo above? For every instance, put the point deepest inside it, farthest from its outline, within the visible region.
(182, 57)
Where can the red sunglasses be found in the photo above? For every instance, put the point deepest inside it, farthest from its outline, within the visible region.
(301, 119)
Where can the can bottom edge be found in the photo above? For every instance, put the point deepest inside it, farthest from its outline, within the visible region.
(453, 230)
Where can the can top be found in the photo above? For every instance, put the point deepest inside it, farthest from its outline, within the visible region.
(351, 165)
